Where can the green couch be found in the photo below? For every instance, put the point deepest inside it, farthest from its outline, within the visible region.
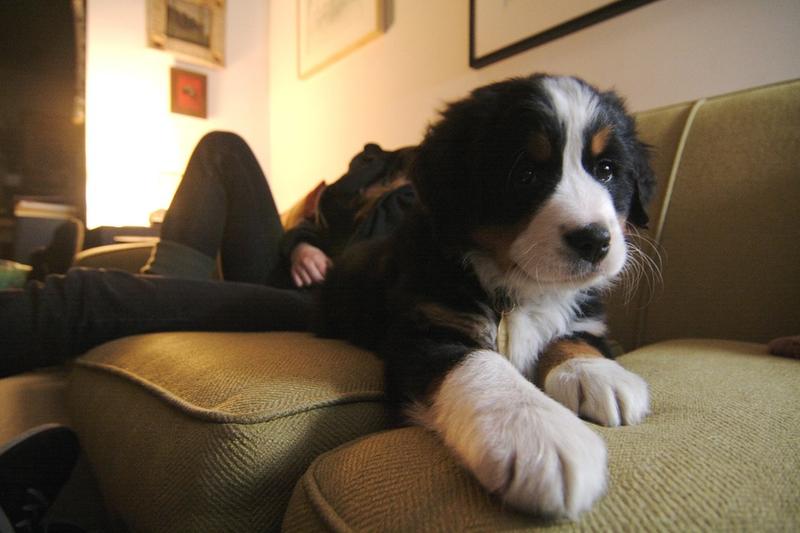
(258, 432)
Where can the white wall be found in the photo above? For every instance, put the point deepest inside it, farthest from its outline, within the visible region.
(388, 90)
(136, 149)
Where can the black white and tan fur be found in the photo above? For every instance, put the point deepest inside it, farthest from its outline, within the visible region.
(526, 188)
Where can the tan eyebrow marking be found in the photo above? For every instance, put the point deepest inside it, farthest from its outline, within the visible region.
(539, 147)
(600, 140)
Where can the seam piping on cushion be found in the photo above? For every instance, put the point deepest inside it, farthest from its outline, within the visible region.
(211, 415)
(319, 503)
(662, 218)
(676, 163)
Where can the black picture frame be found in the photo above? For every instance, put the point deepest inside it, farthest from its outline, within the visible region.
(560, 30)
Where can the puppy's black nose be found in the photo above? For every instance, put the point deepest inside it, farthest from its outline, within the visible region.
(591, 242)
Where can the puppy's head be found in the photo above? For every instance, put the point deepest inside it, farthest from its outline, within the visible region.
(537, 177)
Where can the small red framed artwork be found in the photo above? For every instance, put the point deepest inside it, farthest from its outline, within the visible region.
(188, 90)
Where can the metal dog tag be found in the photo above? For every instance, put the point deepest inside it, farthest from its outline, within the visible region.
(502, 335)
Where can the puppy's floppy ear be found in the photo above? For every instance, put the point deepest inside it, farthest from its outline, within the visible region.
(643, 186)
(637, 214)
(641, 174)
(444, 169)
(440, 163)
(424, 168)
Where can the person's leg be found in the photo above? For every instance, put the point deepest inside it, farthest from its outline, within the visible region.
(46, 323)
(223, 204)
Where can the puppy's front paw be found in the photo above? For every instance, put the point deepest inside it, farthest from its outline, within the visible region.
(518, 442)
(600, 390)
(551, 462)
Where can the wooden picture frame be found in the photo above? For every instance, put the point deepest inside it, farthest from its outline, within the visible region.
(188, 93)
(328, 30)
(192, 29)
(498, 30)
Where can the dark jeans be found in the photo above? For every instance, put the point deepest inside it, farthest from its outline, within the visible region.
(223, 203)
(47, 323)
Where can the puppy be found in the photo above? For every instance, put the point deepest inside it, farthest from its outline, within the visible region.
(485, 305)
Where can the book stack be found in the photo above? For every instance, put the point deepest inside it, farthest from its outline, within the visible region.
(37, 207)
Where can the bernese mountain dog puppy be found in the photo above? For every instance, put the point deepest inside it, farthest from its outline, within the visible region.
(486, 304)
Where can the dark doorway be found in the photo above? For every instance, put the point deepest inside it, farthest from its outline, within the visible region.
(41, 102)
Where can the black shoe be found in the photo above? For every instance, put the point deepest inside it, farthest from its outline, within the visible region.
(57, 257)
(33, 468)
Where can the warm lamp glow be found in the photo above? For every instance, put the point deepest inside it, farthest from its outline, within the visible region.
(136, 149)
(133, 158)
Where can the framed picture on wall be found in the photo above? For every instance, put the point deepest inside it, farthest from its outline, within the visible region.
(501, 29)
(328, 30)
(188, 94)
(193, 29)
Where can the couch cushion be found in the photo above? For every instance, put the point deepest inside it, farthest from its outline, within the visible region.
(729, 235)
(210, 431)
(661, 129)
(719, 452)
(731, 229)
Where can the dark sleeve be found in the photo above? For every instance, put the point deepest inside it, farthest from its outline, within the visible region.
(387, 215)
(306, 231)
(336, 205)
(341, 199)
(365, 168)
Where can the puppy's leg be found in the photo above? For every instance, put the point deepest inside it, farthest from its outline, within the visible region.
(519, 443)
(576, 374)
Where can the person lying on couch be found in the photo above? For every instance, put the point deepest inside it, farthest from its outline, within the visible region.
(223, 206)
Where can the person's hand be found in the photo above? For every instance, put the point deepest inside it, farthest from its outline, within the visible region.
(309, 265)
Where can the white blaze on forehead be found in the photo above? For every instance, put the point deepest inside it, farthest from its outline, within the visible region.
(576, 106)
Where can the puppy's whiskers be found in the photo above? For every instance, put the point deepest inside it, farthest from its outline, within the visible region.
(527, 257)
(644, 263)
(530, 248)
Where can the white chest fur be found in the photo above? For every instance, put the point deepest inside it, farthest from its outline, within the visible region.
(529, 328)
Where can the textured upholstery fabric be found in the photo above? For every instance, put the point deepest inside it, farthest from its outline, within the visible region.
(728, 248)
(210, 432)
(718, 453)
(661, 129)
(732, 230)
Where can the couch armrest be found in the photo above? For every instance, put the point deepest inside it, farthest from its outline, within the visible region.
(202, 432)
(124, 256)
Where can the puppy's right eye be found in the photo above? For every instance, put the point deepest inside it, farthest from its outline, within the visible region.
(522, 173)
(526, 177)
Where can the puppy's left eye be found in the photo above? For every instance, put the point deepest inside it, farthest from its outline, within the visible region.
(605, 170)
(522, 174)
(525, 177)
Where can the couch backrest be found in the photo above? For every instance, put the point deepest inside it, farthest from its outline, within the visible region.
(725, 220)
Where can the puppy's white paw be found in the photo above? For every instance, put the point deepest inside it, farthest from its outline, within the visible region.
(554, 465)
(600, 390)
(518, 442)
